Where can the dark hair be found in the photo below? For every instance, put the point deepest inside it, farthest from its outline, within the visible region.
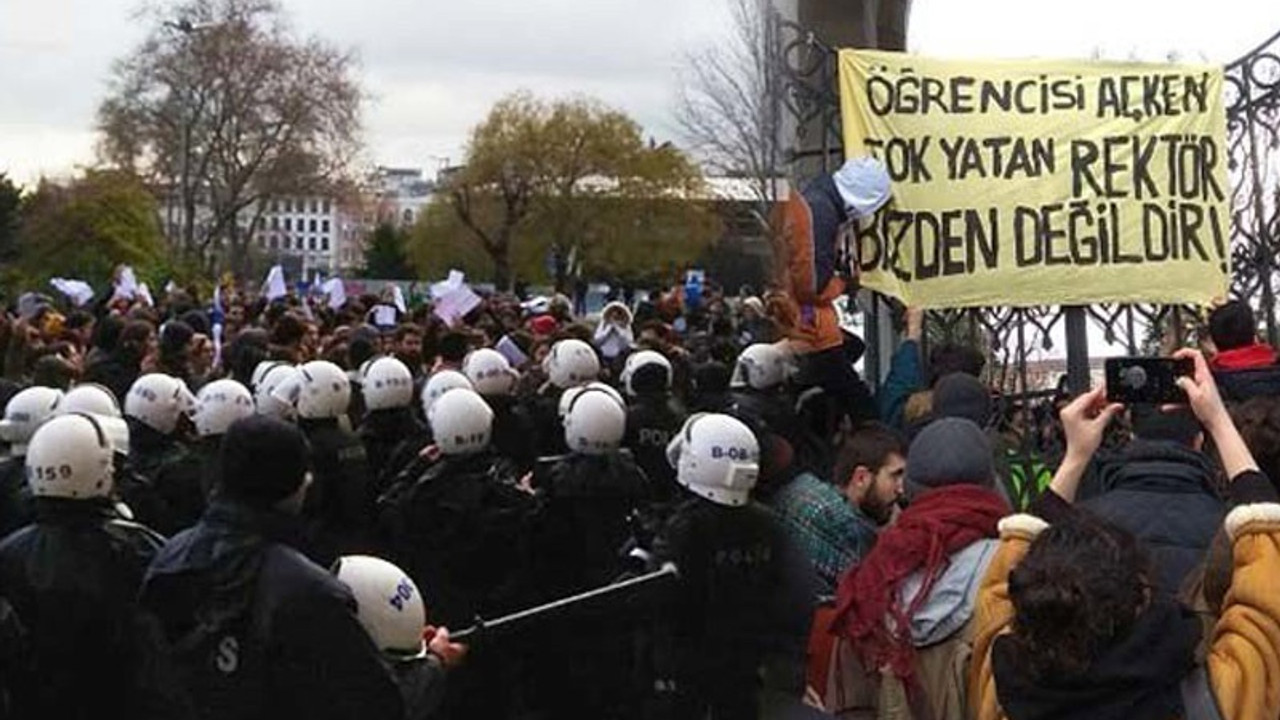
(175, 336)
(53, 371)
(1178, 425)
(249, 348)
(106, 334)
(198, 321)
(288, 330)
(405, 329)
(77, 319)
(135, 333)
(951, 358)
(1081, 585)
(453, 346)
(1259, 422)
(1232, 326)
(868, 446)
(362, 344)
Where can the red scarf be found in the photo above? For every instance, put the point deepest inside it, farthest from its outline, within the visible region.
(938, 524)
(1248, 357)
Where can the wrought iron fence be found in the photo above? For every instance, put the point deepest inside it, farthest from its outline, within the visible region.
(1011, 336)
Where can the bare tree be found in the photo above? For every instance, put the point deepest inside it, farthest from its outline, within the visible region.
(729, 107)
(222, 108)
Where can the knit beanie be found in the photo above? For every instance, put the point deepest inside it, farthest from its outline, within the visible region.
(950, 451)
(264, 460)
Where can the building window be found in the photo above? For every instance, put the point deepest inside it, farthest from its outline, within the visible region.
(275, 206)
(326, 207)
(274, 243)
(311, 243)
(288, 224)
(275, 223)
(324, 225)
(324, 244)
(311, 225)
(314, 207)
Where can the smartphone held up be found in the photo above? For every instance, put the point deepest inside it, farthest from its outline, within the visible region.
(1147, 380)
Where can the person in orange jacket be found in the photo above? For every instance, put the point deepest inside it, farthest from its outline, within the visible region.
(1069, 626)
(809, 250)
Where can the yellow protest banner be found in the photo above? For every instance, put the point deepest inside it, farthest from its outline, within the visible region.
(1037, 182)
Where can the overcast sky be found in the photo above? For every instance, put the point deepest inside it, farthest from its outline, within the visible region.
(435, 66)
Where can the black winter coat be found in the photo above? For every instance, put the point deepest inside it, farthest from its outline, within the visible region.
(514, 431)
(72, 580)
(115, 371)
(340, 502)
(459, 530)
(16, 507)
(387, 435)
(1161, 492)
(1237, 386)
(165, 485)
(652, 420)
(256, 631)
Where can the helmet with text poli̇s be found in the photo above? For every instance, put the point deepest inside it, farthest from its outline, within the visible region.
(388, 604)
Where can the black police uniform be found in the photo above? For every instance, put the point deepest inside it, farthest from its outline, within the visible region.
(340, 501)
(165, 489)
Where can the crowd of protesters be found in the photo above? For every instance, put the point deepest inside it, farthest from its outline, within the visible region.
(250, 508)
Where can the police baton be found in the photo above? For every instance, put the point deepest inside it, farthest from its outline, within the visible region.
(624, 588)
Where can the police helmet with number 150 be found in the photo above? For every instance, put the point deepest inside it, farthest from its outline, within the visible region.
(388, 604)
(70, 457)
(717, 457)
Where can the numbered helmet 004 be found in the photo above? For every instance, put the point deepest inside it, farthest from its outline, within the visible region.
(568, 396)
(25, 412)
(572, 363)
(490, 373)
(717, 457)
(279, 381)
(760, 367)
(646, 371)
(461, 422)
(386, 384)
(219, 404)
(439, 384)
(388, 604)
(70, 456)
(90, 398)
(157, 401)
(323, 391)
(595, 422)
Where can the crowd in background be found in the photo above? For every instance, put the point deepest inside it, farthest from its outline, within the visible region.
(193, 516)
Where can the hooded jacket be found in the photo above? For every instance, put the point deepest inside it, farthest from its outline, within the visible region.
(811, 222)
(1161, 492)
(256, 630)
(612, 340)
(1241, 676)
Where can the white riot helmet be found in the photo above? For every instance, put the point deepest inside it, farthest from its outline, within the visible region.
(760, 367)
(260, 371)
(717, 457)
(461, 422)
(388, 604)
(70, 456)
(439, 384)
(265, 400)
(219, 404)
(157, 401)
(568, 396)
(90, 398)
(386, 384)
(490, 372)
(25, 412)
(572, 363)
(321, 390)
(644, 359)
(595, 422)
